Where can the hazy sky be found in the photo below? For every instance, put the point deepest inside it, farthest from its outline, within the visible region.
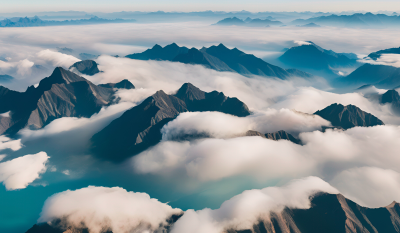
(8, 6)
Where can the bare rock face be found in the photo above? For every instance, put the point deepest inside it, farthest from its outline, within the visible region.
(88, 67)
(347, 117)
(63, 94)
(139, 128)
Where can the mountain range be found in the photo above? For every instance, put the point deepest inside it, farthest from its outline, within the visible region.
(310, 56)
(329, 213)
(218, 58)
(358, 20)
(248, 22)
(139, 127)
(62, 94)
(36, 21)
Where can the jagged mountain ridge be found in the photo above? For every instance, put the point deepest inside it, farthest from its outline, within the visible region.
(347, 117)
(218, 58)
(62, 94)
(329, 213)
(139, 127)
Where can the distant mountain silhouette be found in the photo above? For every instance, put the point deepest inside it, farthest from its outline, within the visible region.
(376, 55)
(309, 25)
(167, 53)
(124, 84)
(139, 128)
(63, 94)
(218, 58)
(36, 21)
(347, 117)
(358, 20)
(311, 56)
(248, 22)
(88, 67)
(379, 75)
(328, 213)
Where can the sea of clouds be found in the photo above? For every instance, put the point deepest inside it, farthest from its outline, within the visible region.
(354, 162)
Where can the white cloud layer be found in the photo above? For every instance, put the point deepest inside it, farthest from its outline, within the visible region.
(8, 143)
(220, 125)
(370, 186)
(244, 210)
(101, 208)
(20, 172)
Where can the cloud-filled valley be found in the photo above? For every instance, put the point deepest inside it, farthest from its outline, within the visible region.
(166, 149)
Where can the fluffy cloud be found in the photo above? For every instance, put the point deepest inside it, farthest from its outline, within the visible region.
(370, 186)
(101, 208)
(215, 159)
(244, 210)
(8, 143)
(56, 58)
(323, 154)
(115, 209)
(220, 125)
(67, 124)
(20, 172)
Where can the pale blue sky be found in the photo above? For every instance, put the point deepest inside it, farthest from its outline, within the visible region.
(7, 6)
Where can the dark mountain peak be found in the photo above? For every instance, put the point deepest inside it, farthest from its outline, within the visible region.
(157, 47)
(168, 53)
(59, 75)
(173, 45)
(282, 135)
(88, 67)
(189, 92)
(390, 96)
(124, 84)
(347, 117)
(222, 46)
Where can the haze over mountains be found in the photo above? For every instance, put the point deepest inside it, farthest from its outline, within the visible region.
(367, 20)
(218, 58)
(36, 21)
(248, 22)
(311, 57)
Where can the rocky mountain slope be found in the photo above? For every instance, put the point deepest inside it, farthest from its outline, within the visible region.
(62, 94)
(347, 117)
(139, 128)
